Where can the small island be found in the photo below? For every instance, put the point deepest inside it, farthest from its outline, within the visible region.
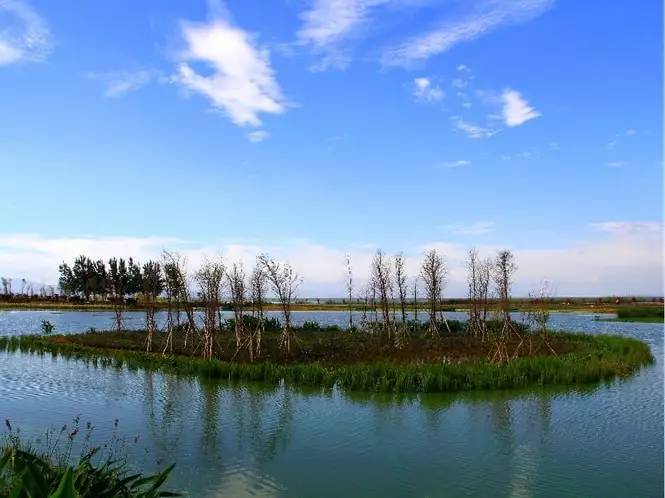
(383, 348)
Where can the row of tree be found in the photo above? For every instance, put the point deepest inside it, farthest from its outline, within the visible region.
(386, 298)
(23, 287)
(388, 292)
(169, 280)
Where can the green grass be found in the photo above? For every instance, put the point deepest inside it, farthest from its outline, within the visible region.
(593, 358)
(650, 314)
(639, 319)
(640, 314)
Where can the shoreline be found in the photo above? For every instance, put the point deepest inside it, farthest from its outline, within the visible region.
(597, 358)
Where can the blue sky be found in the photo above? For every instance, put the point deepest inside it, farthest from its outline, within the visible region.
(314, 128)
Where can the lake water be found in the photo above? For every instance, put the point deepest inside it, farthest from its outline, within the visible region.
(256, 440)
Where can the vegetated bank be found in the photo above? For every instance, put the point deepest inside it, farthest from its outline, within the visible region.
(358, 360)
(644, 314)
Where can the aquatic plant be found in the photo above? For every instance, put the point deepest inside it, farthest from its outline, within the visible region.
(27, 472)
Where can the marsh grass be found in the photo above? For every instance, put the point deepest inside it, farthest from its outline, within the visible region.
(590, 359)
(649, 314)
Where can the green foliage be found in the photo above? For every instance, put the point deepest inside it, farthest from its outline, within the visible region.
(47, 327)
(311, 325)
(151, 282)
(640, 312)
(25, 473)
(250, 322)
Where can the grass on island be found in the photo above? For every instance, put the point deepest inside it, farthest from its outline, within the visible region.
(362, 361)
(640, 314)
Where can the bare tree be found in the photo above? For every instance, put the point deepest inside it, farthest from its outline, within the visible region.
(433, 274)
(170, 268)
(284, 282)
(349, 289)
(415, 298)
(178, 282)
(366, 299)
(118, 280)
(504, 270)
(474, 324)
(400, 280)
(539, 314)
(382, 284)
(259, 284)
(484, 272)
(209, 279)
(6, 286)
(152, 286)
(237, 286)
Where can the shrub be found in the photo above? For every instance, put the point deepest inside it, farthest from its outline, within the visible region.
(47, 327)
(311, 325)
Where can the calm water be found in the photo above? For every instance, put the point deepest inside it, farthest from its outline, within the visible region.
(253, 440)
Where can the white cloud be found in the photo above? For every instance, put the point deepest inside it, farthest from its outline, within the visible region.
(616, 164)
(516, 110)
(456, 164)
(329, 23)
(631, 131)
(119, 83)
(239, 79)
(25, 37)
(487, 16)
(257, 136)
(424, 90)
(473, 130)
(625, 228)
(478, 228)
(625, 260)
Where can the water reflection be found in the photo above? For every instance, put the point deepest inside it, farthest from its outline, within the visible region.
(262, 440)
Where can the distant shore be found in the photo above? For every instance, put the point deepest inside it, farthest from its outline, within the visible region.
(636, 311)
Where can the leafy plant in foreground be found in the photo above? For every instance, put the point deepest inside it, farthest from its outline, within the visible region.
(25, 472)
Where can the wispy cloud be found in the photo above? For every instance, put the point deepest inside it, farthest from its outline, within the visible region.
(425, 91)
(625, 228)
(473, 130)
(516, 110)
(616, 164)
(118, 83)
(328, 24)
(486, 16)
(456, 164)
(240, 80)
(25, 36)
(257, 136)
(478, 228)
